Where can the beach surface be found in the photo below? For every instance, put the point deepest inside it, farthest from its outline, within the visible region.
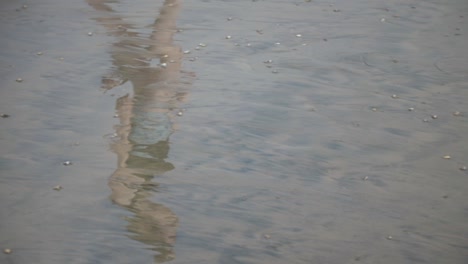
(234, 131)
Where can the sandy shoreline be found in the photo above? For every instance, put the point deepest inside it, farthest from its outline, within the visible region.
(234, 131)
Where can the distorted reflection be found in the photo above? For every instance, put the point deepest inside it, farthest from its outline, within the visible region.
(146, 119)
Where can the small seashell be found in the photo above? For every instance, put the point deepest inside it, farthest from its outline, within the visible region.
(434, 116)
(90, 33)
(374, 109)
(394, 96)
(389, 237)
(447, 157)
(19, 80)
(163, 65)
(67, 163)
(7, 251)
(186, 51)
(180, 113)
(228, 37)
(58, 187)
(298, 36)
(39, 53)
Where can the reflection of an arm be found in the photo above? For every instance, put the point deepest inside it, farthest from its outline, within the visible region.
(146, 121)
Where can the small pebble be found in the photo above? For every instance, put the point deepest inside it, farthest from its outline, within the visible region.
(19, 80)
(7, 251)
(447, 157)
(336, 10)
(39, 53)
(325, 39)
(266, 236)
(202, 45)
(165, 56)
(277, 43)
(25, 6)
(389, 237)
(180, 113)
(298, 35)
(90, 33)
(186, 51)
(463, 168)
(425, 120)
(456, 113)
(268, 61)
(394, 96)
(4, 115)
(229, 18)
(58, 187)
(411, 109)
(67, 163)
(382, 20)
(197, 48)
(365, 178)
(274, 71)
(228, 37)
(434, 116)
(374, 109)
(163, 65)
(116, 116)
(445, 196)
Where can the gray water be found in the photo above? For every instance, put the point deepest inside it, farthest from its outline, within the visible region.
(190, 146)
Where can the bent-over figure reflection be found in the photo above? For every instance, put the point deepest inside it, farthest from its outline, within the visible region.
(146, 120)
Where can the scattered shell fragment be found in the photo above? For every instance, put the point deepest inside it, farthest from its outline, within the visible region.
(67, 163)
(411, 109)
(394, 96)
(228, 37)
(434, 116)
(463, 168)
(268, 61)
(163, 65)
(24, 6)
(202, 45)
(365, 178)
(298, 36)
(229, 18)
(389, 237)
(4, 115)
(374, 109)
(90, 33)
(116, 115)
(456, 113)
(7, 251)
(186, 51)
(58, 187)
(447, 157)
(180, 113)
(19, 80)
(165, 56)
(277, 43)
(39, 53)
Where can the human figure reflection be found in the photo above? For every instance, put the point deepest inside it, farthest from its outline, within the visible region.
(146, 120)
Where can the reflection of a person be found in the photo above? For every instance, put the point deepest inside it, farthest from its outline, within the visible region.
(145, 121)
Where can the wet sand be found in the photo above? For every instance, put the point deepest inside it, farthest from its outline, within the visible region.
(234, 131)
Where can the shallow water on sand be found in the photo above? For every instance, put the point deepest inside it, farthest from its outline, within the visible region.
(272, 132)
